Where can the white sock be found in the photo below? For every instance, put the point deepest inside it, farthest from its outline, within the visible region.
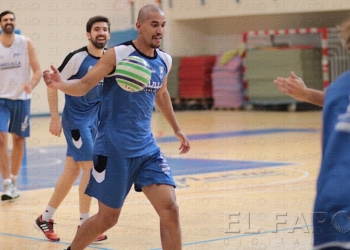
(83, 218)
(7, 181)
(13, 177)
(48, 213)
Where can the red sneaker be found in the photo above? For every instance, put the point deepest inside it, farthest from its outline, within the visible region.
(99, 238)
(46, 228)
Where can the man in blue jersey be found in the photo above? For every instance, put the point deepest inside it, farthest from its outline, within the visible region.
(79, 122)
(17, 60)
(125, 152)
(331, 217)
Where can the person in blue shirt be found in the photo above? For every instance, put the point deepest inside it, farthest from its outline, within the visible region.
(125, 151)
(331, 215)
(79, 122)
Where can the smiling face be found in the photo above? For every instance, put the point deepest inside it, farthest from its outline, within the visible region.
(151, 29)
(99, 34)
(7, 23)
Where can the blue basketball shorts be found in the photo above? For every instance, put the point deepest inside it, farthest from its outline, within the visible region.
(15, 116)
(80, 142)
(112, 177)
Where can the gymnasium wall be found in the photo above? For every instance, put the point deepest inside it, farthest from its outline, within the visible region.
(58, 27)
(209, 26)
(194, 9)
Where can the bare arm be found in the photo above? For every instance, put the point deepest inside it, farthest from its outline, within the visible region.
(295, 87)
(34, 64)
(55, 123)
(313, 96)
(163, 102)
(105, 65)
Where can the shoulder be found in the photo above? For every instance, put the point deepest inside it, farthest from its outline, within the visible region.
(344, 78)
(74, 57)
(165, 56)
(341, 84)
(123, 50)
(23, 39)
(79, 53)
(127, 46)
(82, 51)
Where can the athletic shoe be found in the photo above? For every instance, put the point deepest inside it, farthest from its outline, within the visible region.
(46, 228)
(99, 238)
(9, 193)
(15, 190)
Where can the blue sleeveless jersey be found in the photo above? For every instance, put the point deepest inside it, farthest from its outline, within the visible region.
(331, 216)
(125, 125)
(80, 111)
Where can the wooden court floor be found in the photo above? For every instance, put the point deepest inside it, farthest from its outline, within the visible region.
(248, 183)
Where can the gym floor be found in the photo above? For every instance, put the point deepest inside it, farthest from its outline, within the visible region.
(247, 183)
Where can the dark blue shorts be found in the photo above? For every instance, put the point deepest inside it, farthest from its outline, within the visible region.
(15, 116)
(112, 177)
(80, 143)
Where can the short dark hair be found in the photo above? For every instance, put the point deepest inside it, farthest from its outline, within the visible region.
(4, 13)
(96, 19)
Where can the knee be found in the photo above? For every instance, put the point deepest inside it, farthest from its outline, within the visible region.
(170, 211)
(18, 141)
(72, 171)
(109, 219)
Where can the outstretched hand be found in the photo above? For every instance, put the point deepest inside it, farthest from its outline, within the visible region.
(293, 85)
(53, 80)
(185, 144)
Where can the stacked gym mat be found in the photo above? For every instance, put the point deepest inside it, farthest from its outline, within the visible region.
(227, 80)
(195, 77)
(265, 64)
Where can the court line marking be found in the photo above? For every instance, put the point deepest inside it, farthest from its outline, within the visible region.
(234, 237)
(298, 179)
(198, 137)
(305, 174)
(236, 134)
(47, 241)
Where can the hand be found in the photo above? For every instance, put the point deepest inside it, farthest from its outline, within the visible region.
(52, 80)
(185, 144)
(293, 86)
(55, 127)
(28, 88)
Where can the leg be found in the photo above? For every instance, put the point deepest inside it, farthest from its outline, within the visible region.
(4, 156)
(9, 189)
(44, 222)
(19, 127)
(82, 157)
(156, 182)
(64, 184)
(84, 200)
(163, 199)
(105, 218)
(109, 183)
(17, 154)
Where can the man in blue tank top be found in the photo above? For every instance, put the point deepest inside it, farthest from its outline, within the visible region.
(79, 122)
(125, 152)
(331, 216)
